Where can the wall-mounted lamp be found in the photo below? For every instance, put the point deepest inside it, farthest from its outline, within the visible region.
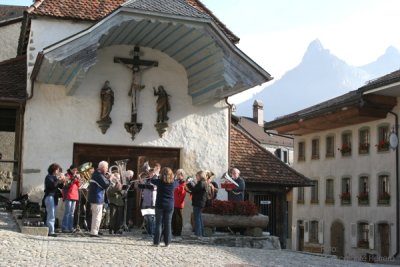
(393, 139)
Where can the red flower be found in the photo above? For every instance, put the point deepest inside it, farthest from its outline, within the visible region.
(384, 196)
(345, 148)
(345, 196)
(382, 145)
(363, 196)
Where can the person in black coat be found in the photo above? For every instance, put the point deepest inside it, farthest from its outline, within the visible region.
(199, 199)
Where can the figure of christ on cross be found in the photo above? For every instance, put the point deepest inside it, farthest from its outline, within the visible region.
(134, 127)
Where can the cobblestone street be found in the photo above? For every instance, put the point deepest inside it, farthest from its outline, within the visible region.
(131, 249)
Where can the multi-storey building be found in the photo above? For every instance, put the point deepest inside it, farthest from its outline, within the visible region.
(348, 147)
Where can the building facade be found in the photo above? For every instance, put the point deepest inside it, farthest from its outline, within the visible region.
(343, 145)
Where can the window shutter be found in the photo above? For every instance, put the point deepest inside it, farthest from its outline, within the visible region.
(353, 235)
(321, 232)
(371, 237)
(306, 231)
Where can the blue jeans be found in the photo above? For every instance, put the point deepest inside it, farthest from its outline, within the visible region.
(51, 213)
(68, 219)
(163, 223)
(150, 224)
(198, 221)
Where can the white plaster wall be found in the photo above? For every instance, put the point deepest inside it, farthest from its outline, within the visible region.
(54, 121)
(47, 31)
(9, 36)
(372, 164)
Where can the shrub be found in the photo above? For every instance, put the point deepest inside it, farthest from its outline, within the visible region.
(224, 207)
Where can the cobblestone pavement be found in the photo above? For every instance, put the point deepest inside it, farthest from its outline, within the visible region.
(131, 249)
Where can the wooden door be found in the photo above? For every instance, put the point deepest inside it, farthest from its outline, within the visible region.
(337, 239)
(300, 243)
(384, 234)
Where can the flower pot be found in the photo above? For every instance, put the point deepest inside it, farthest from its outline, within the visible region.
(384, 201)
(363, 201)
(346, 201)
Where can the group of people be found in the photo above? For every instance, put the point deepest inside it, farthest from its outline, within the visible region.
(163, 194)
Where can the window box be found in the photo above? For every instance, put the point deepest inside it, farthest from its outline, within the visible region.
(345, 150)
(363, 198)
(384, 198)
(383, 145)
(363, 244)
(345, 198)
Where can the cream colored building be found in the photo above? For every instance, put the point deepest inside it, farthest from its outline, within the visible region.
(343, 145)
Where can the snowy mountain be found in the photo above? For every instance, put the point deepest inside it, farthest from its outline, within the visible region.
(320, 76)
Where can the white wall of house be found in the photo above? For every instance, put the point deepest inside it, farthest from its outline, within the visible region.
(54, 121)
(372, 164)
(289, 150)
(47, 31)
(9, 36)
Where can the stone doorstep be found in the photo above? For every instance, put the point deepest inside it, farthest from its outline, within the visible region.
(29, 230)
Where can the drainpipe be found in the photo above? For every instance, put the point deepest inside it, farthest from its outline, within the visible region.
(229, 130)
(397, 187)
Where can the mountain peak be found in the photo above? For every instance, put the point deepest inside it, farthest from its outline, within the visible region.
(314, 50)
(391, 50)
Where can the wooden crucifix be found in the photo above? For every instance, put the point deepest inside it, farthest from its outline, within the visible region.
(133, 127)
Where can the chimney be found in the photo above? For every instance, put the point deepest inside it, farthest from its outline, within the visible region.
(258, 112)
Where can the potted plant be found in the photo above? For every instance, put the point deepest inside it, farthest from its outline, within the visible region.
(384, 198)
(345, 197)
(363, 198)
(345, 149)
(383, 145)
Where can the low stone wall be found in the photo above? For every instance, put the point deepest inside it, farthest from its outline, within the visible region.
(263, 242)
(29, 230)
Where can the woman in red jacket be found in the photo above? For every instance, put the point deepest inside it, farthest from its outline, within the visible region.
(71, 196)
(179, 203)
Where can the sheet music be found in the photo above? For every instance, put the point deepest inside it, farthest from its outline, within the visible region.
(148, 212)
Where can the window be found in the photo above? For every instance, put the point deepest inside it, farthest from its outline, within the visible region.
(383, 189)
(314, 192)
(364, 141)
(363, 191)
(315, 149)
(300, 195)
(345, 196)
(345, 149)
(313, 232)
(383, 138)
(282, 154)
(330, 146)
(363, 234)
(302, 152)
(329, 192)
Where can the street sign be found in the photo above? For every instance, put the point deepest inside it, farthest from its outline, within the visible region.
(265, 202)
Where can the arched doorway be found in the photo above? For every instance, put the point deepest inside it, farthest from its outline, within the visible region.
(384, 235)
(337, 239)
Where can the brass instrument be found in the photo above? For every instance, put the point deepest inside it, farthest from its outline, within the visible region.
(84, 173)
(120, 168)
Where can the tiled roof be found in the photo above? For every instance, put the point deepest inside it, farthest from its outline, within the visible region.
(11, 12)
(382, 81)
(94, 10)
(258, 165)
(13, 79)
(256, 131)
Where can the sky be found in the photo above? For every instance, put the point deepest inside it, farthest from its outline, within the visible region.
(276, 33)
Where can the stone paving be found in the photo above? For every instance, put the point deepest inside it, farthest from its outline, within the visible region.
(131, 249)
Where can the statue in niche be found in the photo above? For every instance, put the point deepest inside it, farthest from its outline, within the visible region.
(107, 101)
(163, 105)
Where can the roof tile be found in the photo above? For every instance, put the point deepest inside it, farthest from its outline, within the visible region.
(13, 78)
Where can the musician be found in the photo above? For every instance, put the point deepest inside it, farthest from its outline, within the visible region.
(98, 185)
(199, 199)
(164, 205)
(236, 194)
(116, 204)
(70, 196)
(179, 203)
(130, 199)
(53, 182)
(149, 195)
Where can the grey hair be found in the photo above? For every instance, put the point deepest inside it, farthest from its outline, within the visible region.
(103, 163)
(129, 173)
(180, 171)
(235, 170)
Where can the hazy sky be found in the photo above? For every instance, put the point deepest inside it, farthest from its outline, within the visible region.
(276, 33)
